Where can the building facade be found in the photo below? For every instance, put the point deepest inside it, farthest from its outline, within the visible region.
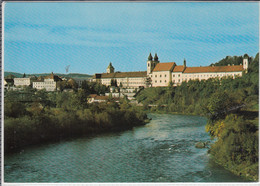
(162, 74)
(49, 83)
(24, 81)
(124, 79)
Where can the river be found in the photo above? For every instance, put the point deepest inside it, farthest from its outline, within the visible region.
(161, 151)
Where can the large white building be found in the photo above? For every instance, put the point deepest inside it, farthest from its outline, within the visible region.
(49, 83)
(125, 79)
(162, 74)
(24, 81)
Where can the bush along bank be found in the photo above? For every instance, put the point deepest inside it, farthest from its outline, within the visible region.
(35, 123)
(236, 134)
(236, 147)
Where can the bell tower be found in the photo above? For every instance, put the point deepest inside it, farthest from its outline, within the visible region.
(245, 62)
(149, 64)
(110, 68)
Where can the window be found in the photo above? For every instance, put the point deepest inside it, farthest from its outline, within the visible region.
(148, 64)
(155, 75)
(173, 75)
(160, 75)
(160, 81)
(173, 81)
(155, 81)
(165, 81)
(179, 80)
(179, 75)
(165, 75)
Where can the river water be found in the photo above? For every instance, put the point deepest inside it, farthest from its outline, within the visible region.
(161, 151)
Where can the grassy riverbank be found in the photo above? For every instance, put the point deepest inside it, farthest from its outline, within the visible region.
(62, 116)
(231, 106)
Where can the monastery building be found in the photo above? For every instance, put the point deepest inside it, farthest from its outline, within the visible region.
(161, 74)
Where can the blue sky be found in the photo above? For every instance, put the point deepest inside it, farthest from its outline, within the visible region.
(46, 37)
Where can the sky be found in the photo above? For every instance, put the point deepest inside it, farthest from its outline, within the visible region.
(47, 37)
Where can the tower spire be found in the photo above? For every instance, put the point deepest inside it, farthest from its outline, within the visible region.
(110, 68)
(150, 57)
(156, 57)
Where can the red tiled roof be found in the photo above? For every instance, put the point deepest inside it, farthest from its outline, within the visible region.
(124, 74)
(235, 68)
(179, 68)
(163, 67)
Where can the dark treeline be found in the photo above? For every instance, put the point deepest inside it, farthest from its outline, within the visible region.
(53, 116)
(231, 106)
(230, 60)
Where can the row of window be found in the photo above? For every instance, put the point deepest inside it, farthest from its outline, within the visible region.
(160, 81)
(193, 75)
(160, 75)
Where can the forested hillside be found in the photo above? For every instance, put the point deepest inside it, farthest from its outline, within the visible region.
(192, 97)
(231, 106)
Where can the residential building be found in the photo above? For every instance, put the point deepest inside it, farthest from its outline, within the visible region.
(49, 83)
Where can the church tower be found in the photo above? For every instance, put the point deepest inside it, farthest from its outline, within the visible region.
(245, 62)
(149, 64)
(152, 62)
(110, 68)
(156, 60)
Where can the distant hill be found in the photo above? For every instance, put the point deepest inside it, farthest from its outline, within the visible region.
(70, 75)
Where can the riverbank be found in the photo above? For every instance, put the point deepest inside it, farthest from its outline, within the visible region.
(56, 124)
(236, 147)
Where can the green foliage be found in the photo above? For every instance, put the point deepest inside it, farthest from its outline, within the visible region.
(60, 115)
(93, 87)
(237, 144)
(229, 60)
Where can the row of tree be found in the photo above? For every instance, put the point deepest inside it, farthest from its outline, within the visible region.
(33, 117)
